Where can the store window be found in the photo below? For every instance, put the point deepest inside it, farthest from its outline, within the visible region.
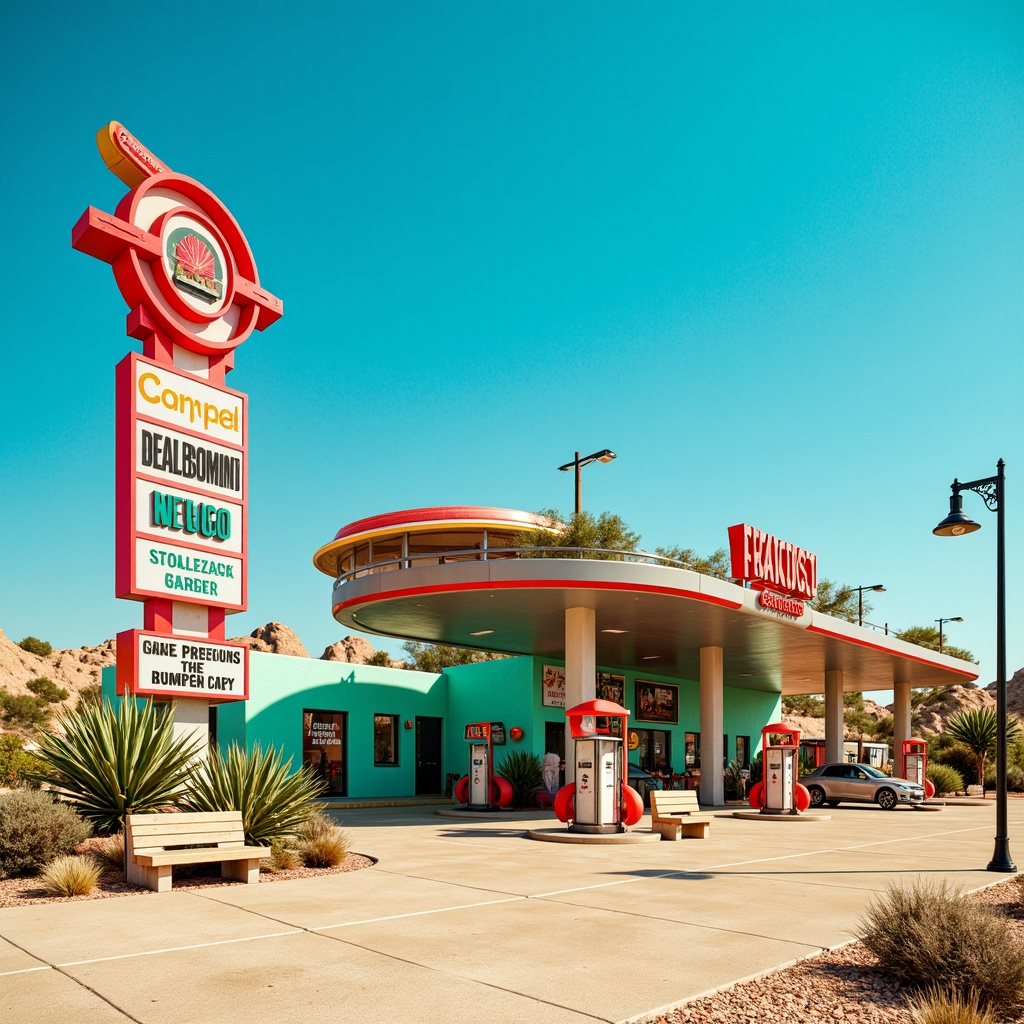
(324, 748)
(693, 751)
(385, 740)
(654, 751)
(743, 751)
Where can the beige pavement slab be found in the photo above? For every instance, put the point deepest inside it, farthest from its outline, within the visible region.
(305, 978)
(595, 970)
(14, 959)
(49, 997)
(69, 932)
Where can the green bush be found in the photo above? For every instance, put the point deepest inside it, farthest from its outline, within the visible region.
(525, 775)
(34, 829)
(734, 781)
(945, 779)
(16, 763)
(36, 646)
(961, 759)
(112, 760)
(927, 935)
(1015, 780)
(756, 769)
(273, 803)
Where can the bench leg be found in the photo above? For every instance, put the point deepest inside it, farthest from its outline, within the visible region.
(158, 879)
(666, 829)
(240, 870)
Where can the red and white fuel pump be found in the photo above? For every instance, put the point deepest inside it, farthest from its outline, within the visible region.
(915, 765)
(481, 789)
(599, 800)
(778, 792)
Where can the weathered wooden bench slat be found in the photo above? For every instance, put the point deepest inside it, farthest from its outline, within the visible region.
(155, 842)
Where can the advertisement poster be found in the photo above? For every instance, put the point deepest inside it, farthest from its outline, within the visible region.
(553, 687)
(657, 702)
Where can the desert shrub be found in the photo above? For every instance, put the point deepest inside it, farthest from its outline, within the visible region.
(70, 876)
(961, 759)
(945, 779)
(733, 781)
(90, 696)
(34, 829)
(33, 645)
(756, 769)
(110, 851)
(273, 803)
(321, 844)
(110, 760)
(937, 1006)
(283, 857)
(1015, 780)
(525, 775)
(16, 763)
(928, 935)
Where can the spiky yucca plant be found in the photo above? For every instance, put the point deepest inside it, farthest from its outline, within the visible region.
(108, 761)
(525, 775)
(257, 783)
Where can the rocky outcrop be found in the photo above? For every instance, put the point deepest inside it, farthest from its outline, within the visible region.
(72, 669)
(274, 638)
(352, 649)
(934, 717)
(1014, 693)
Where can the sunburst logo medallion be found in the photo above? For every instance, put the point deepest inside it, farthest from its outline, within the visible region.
(195, 265)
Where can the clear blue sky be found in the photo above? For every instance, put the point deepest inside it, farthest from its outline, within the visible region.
(771, 254)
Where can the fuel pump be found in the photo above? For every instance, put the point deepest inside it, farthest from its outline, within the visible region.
(915, 765)
(481, 789)
(778, 792)
(599, 800)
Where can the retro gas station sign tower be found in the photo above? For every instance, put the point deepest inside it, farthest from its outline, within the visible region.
(188, 276)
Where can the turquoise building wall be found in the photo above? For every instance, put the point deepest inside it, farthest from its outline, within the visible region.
(508, 690)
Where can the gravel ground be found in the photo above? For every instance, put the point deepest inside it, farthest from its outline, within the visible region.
(841, 985)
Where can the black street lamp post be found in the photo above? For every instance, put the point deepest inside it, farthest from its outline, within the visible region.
(605, 455)
(955, 525)
(877, 587)
(953, 618)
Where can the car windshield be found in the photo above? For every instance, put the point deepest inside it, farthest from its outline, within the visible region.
(874, 772)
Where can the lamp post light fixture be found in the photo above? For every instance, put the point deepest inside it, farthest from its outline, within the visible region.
(954, 618)
(956, 524)
(877, 588)
(605, 455)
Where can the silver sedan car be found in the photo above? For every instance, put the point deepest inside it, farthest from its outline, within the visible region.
(832, 783)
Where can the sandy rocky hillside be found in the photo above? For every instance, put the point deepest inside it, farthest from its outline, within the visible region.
(77, 668)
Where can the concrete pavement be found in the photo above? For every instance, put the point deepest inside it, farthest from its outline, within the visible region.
(469, 921)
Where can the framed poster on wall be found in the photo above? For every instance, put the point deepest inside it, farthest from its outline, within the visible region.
(611, 687)
(657, 702)
(553, 687)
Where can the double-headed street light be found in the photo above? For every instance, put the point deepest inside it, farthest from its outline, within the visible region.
(877, 587)
(605, 455)
(954, 525)
(954, 618)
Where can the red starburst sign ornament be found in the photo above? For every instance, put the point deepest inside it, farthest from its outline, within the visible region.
(180, 259)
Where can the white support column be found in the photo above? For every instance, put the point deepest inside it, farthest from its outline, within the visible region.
(834, 715)
(712, 699)
(580, 669)
(900, 724)
(192, 719)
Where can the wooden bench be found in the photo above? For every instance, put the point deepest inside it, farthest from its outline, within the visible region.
(155, 842)
(675, 813)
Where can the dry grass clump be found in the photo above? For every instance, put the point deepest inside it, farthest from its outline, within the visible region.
(321, 844)
(110, 851)
(939, 1007)
(70, 876)
(929, 936)
(282, 857)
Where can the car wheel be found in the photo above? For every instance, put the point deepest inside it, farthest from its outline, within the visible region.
(833, 803)
(886, 799)
(817, 795)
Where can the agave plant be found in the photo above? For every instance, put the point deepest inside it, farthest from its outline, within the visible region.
(109, 761)
(978, 730)
(273, 802)
(525, 775)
